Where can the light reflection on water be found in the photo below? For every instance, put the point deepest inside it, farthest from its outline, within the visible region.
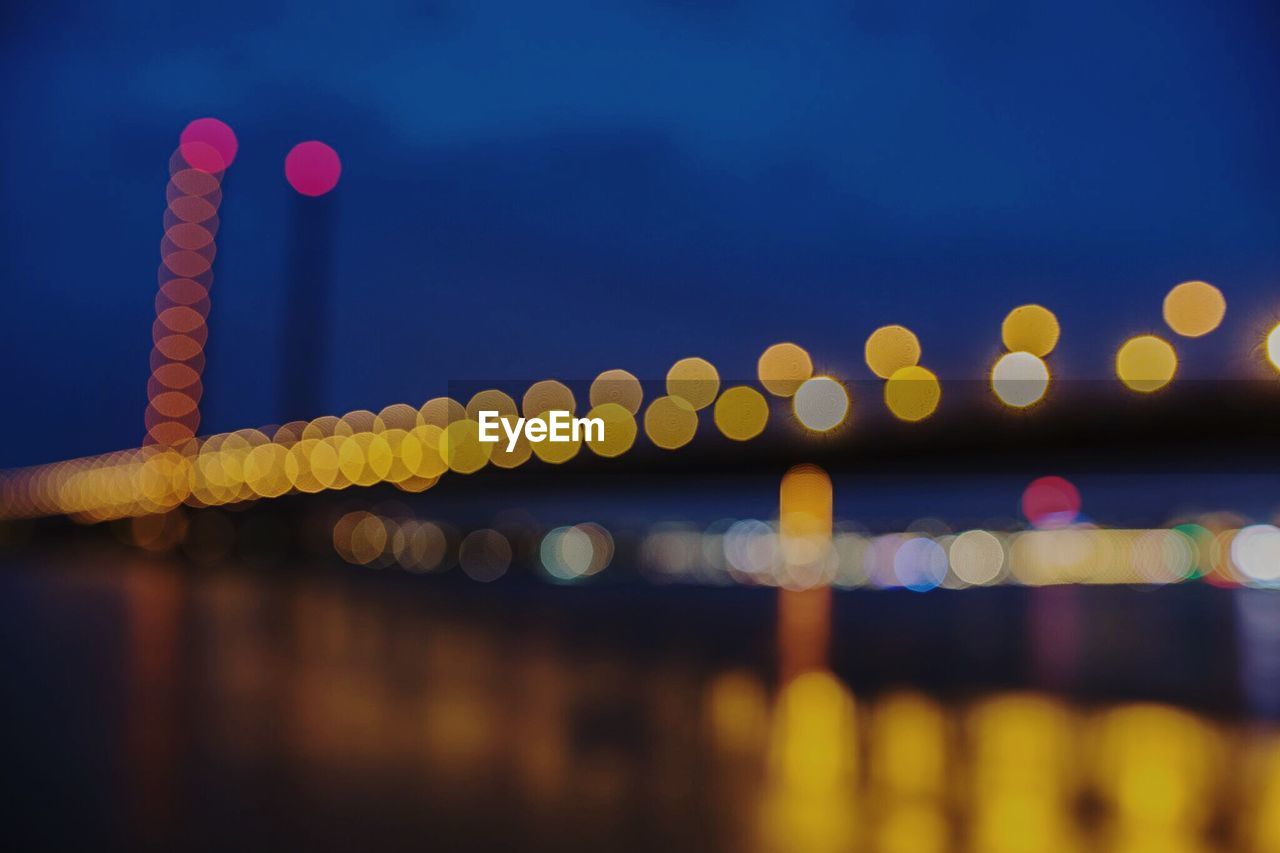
(328, 713)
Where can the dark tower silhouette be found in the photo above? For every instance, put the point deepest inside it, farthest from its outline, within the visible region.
(304, 358)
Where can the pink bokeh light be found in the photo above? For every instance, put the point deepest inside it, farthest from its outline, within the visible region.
(1050, 502)
(312, 168)
(208, 144)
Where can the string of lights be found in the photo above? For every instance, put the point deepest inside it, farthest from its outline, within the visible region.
(414, 447)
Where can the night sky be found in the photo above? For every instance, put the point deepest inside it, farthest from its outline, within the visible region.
(553, 189)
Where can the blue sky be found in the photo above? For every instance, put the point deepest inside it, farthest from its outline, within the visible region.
(554, 189)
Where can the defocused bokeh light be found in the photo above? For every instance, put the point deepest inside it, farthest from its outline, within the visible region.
(1194, 308)
(1050, 502)
(1030, 328)
(617, 386)
(1255, 551)
(484, 555)
(461, 448)
(891, 348)
(977, 557)
(546, 396)
(208, 144)
(782, 368)
(912, 393)
(695, 380)
(1020, 379)
(312, 168)
(1146, 363)
(670, 422)
(619, 429)
(821, 404)
(741, 413)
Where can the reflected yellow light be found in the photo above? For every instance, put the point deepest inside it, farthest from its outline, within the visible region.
(810, 800)
(1156, 765)
(1020, 379)
(368, 538)
(695, 380)
(741, 413)
(619, 429)
(670, 422)
(617, 386)
(1194, 308)
(1022, 778)
(814, 739)
(1030, 328)
(1273, 347)
(484, 555)
(911, 827)
(782, 368)
(912, 393)
(908, 746)
(821, 404)
(737, 710)
(461, 448)
(1146, 363)
(545, 396)
(891, 348)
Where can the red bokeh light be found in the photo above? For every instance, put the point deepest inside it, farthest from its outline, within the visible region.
(208, 144)
(1051, 502)
(312, 168)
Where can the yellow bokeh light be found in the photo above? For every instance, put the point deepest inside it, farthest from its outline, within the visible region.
(491, 400)
(361, 420)
(1019, 379)
(741, 413)
(617, 386)
(670, 422)
(555, 452)
(821, 404)
(695, 380)
(441, 411)
(1273, 347)
(461, 448)
(397, 416)
(546, 396)
(517, 455)
(1146, 363)
(782, 368)
(912, 393)
(422, 455)
(619, 430)
(1194, 308)
(1030, 328)
(264, 470)
(891, 348)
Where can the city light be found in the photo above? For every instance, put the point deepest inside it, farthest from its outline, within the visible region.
(1030, 328)
(1194, 309)
(891, 348)
(1146, 363)
(1020, 379)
